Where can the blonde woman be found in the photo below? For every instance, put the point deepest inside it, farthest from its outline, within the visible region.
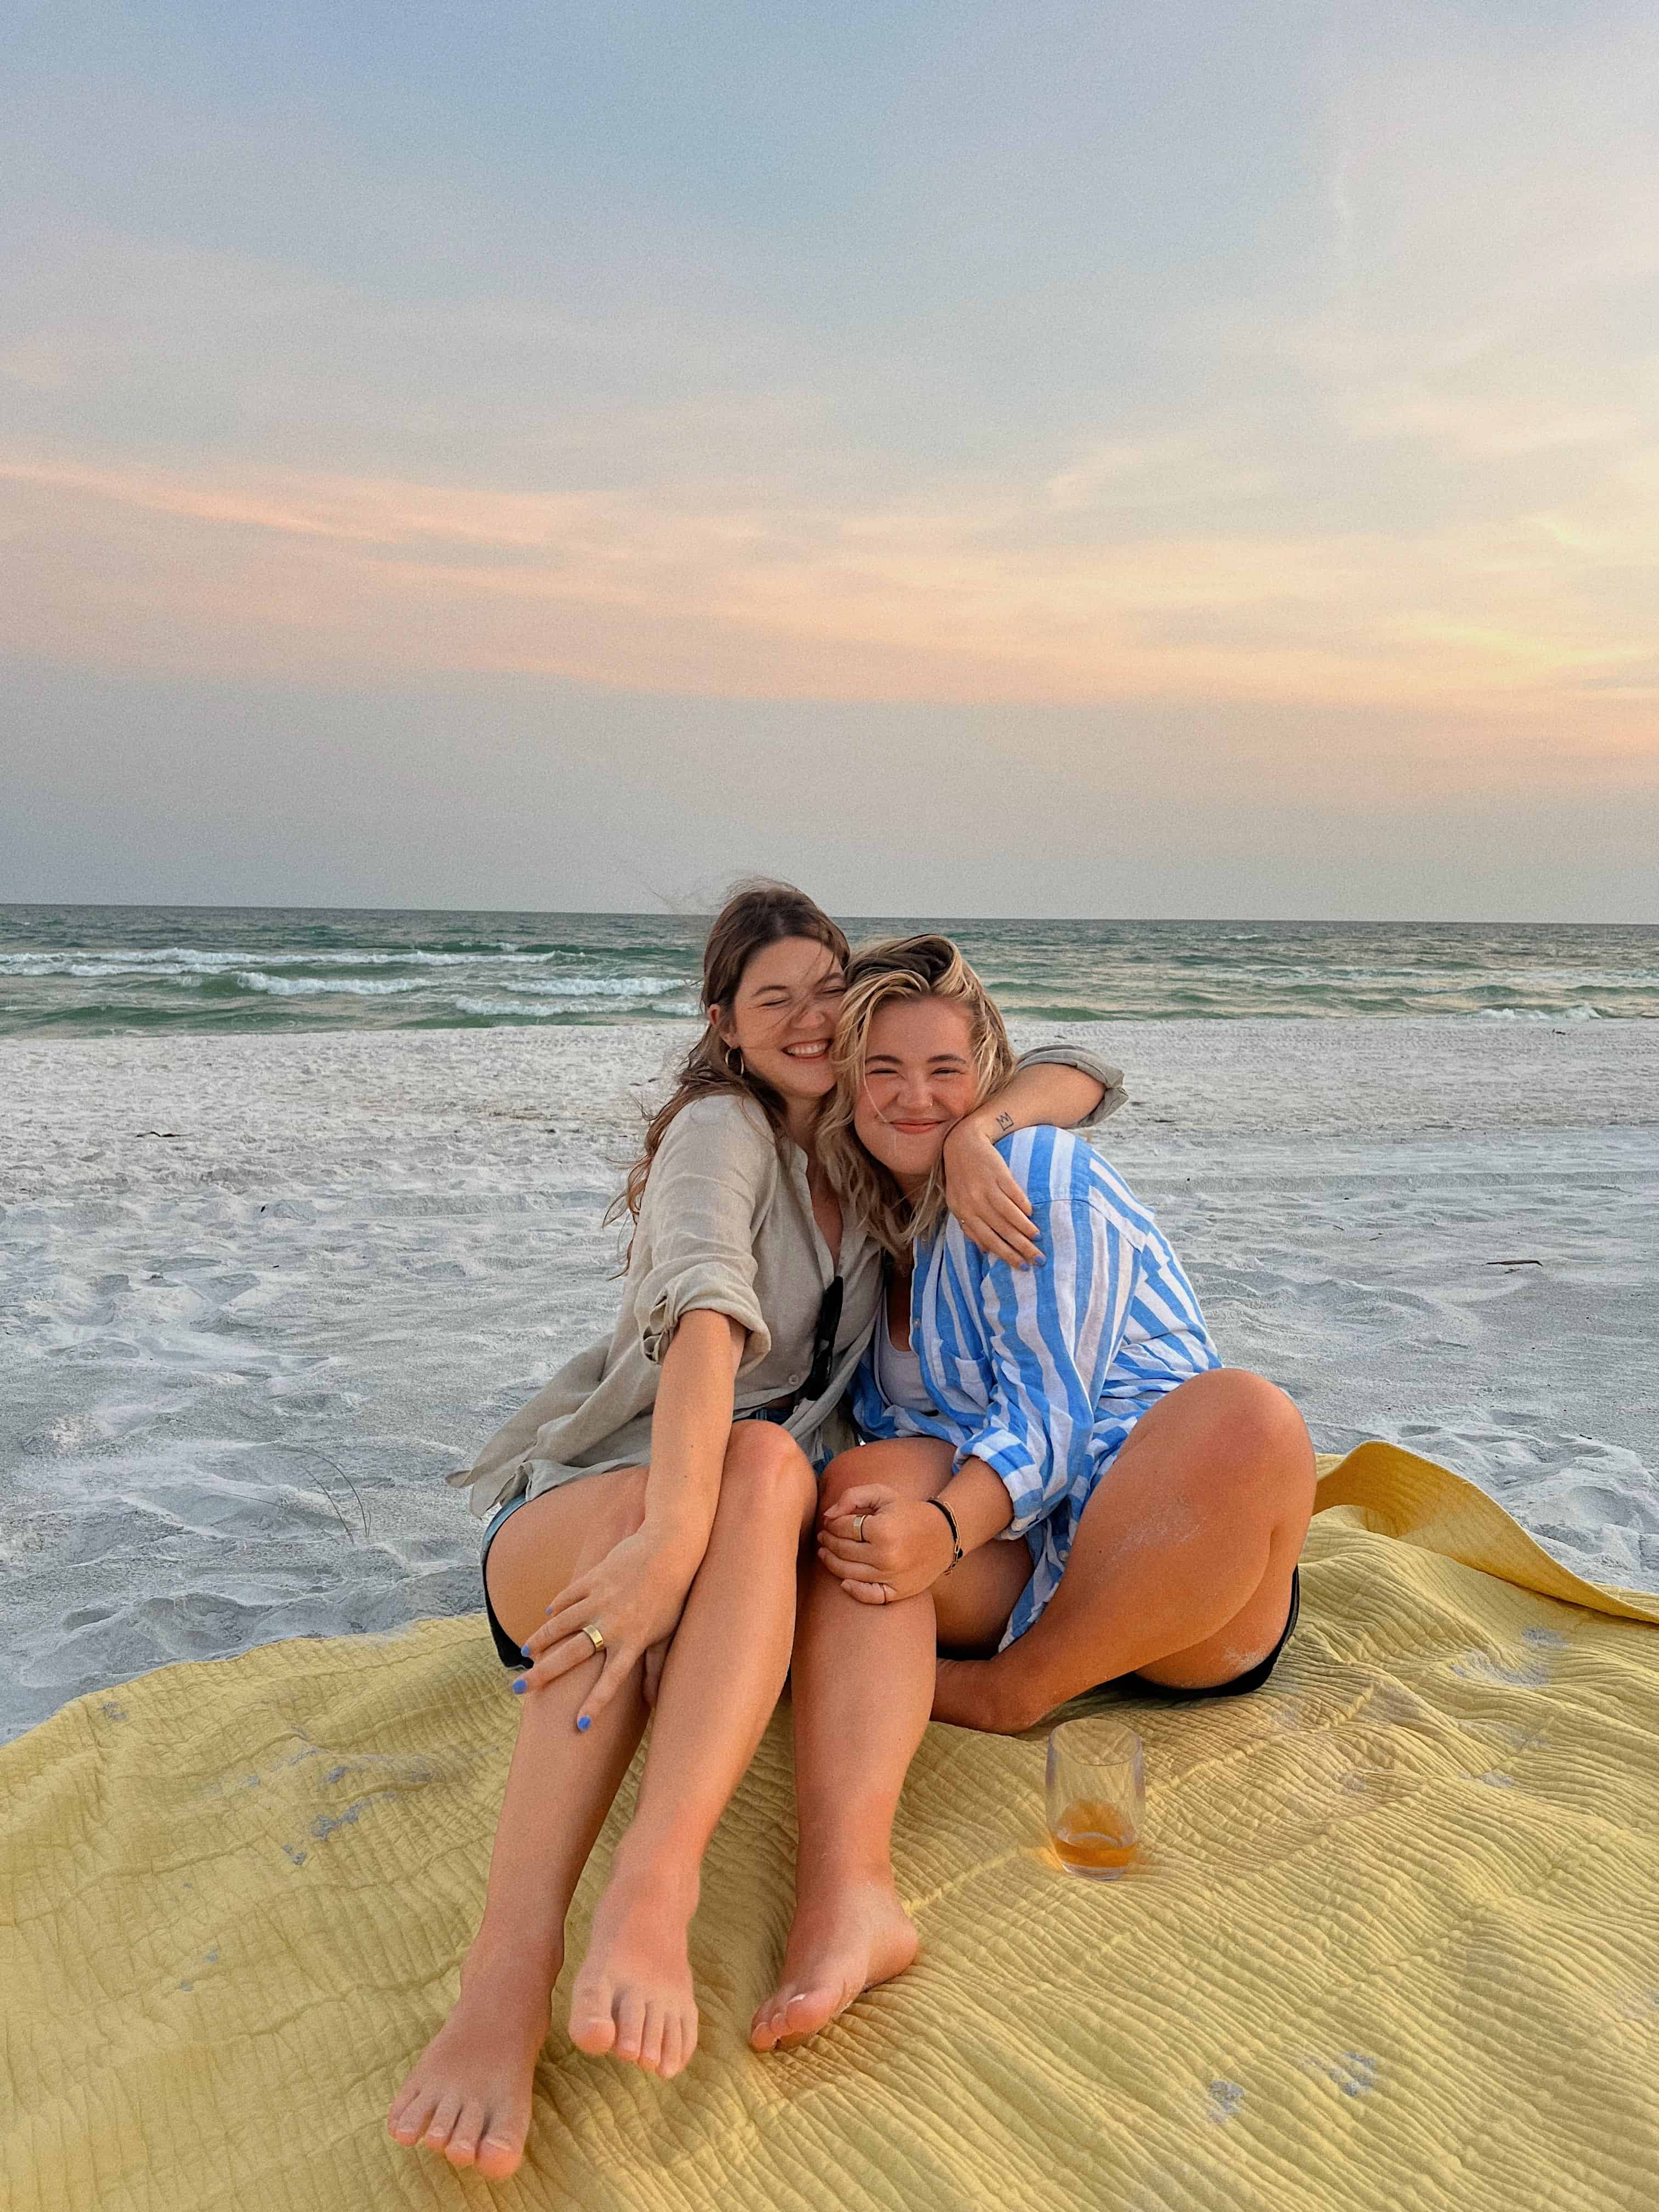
(1152, 1503)
(656, 1492)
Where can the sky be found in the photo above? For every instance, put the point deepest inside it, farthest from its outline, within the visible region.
(1015, 459)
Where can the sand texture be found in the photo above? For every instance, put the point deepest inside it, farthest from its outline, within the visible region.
(260, 1293)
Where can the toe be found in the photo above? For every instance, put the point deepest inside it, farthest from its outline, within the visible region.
(631, 2025)
(808, 2011)
(442, 2122)
(650, 2041)
(409, 2114)
(592, 2027)
(673, 2048)
(499, 2156)
(462, 2149)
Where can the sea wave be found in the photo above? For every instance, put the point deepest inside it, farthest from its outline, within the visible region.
(86, 970)
(300, 987)
(496, 1008)
(600, 987)
(562, 1007)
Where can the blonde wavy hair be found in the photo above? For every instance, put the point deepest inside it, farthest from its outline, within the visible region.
(877, 974)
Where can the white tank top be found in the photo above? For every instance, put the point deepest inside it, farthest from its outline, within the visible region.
(899, 1373)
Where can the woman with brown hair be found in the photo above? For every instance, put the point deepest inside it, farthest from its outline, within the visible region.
(647, 1508)
(1156, 1503)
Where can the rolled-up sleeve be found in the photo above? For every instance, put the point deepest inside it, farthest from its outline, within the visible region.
(1110, 1078)
(710, 1183)
(1052, 1333)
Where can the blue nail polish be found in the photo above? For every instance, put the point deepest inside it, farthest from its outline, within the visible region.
(584, 1721)
(519, 1688)
(525, 1652)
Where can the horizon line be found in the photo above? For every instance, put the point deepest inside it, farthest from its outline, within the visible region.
(665, 913)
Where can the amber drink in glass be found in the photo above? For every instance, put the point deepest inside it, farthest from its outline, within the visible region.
(1097, 1796)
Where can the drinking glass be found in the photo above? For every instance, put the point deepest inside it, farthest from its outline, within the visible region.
(1097, 1796)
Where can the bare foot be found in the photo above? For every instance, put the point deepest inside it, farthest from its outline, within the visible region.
(468, 2093)
(854, 1937)
(633, 1997)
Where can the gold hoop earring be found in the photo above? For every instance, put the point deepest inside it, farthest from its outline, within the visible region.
(733, 1053)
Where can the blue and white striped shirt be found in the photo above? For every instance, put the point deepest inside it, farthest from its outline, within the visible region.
(1043, 1372)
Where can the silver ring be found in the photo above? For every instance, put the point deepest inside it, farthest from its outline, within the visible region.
(858, 1520)
(594, 1634)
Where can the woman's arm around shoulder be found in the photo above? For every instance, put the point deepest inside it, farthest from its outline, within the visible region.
(1062, 1084)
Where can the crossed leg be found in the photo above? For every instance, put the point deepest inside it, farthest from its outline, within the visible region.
(1180, 1570)
(469, 2093)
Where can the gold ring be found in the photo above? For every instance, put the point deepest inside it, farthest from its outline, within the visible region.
(858, 1528)
(594, 1634)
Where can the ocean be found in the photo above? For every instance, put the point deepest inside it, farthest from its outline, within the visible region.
(113, 970)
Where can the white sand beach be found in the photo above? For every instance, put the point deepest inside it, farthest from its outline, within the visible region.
(260, 1293)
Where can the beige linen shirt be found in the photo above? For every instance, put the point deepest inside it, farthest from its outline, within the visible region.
(727, 1224)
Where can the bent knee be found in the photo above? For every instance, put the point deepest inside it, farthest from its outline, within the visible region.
(765, 1467)
(916, 1466)
(1260, 1425)
(844, 1473)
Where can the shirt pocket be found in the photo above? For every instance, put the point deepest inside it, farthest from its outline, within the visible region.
(967, 1379)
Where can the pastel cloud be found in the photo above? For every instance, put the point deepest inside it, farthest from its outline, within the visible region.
(984, 600)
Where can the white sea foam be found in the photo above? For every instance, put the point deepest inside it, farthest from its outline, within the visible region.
(207, 959)
(310, 987)
(114, 972)
(548, 1004)
(601, 987)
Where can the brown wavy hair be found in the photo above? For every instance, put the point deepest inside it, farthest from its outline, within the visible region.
(900, 967)
(755, 915)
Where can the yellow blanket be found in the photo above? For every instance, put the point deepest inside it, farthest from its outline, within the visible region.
(1395, 1941)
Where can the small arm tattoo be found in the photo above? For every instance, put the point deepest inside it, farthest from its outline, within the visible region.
(1005, 1123)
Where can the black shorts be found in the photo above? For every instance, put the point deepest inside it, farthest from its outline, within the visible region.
(1240, 1684)
(511, 1657)
(507, 1650)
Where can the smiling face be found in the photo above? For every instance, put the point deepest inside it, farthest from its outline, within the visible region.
(919, 1081)
(782, 1015)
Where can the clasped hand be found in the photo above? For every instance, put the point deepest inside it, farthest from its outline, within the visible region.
(634, 1596)
(904, 1549)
